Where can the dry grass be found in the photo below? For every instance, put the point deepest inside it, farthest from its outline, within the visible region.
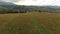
(17, 24)
(21, 23)
(51, 21)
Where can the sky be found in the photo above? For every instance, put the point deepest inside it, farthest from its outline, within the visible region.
(35, 2)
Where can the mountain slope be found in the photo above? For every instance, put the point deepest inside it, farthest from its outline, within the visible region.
(5, 3)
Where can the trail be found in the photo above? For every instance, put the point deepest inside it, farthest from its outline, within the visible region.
(39, 26)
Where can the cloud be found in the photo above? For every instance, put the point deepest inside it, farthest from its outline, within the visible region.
(28, 2)
(39, 2)
(35, 2)
(16, 0)
(11, 0)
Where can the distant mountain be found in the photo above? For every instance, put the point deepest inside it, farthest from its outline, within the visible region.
(8, 6)
(12, 5)
(5, 3)
(51, 7)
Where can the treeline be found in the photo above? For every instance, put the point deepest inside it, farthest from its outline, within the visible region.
(17, 9)
(24, 9)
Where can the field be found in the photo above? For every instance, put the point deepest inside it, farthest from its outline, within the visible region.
(30, 23)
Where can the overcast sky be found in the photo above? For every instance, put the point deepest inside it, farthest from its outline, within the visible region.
(35, 2)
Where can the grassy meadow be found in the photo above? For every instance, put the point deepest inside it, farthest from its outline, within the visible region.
(30, 23)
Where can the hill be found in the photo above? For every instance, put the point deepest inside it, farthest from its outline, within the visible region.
(11, 7)
(5, 3)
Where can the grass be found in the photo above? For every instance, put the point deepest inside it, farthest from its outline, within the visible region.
(40, 27)
(41, 23)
